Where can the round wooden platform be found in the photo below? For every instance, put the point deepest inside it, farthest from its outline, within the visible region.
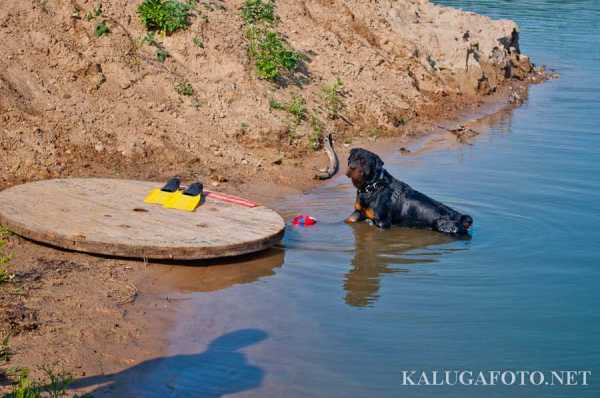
(109, 217)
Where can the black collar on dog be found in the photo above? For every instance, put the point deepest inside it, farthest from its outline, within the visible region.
(375, 185)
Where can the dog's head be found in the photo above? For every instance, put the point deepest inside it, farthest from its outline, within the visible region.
(363, 167)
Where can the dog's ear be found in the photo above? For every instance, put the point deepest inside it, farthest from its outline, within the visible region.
(353, 155)
(371, 164)
(375, 165)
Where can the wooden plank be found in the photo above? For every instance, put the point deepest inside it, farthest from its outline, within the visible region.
(109, 217)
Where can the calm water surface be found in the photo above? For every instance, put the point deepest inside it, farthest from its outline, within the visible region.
(340, 311)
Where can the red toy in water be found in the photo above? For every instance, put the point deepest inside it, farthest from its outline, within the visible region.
(303, 219)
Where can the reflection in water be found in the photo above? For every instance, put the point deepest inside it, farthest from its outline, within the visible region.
(220, 370)
(208, 276)
(379, 252)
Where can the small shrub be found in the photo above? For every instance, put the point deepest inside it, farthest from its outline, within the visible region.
(4, 233)
(314, 140)
(5, 352)
(274, 104)
(184, 88)
(150, 39)
(101, 29)
(331, 94)
(271, 54)
(57, 383)
(54, 387)
(254, 11)
(198, 42)
(161, 55)
(164, 15)
(297, 108)
(5, 276)
(25, 387)
(96, 12)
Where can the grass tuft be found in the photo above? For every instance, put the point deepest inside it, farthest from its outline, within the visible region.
(166, 16)
(101, 29)
(198, 42)
(162, 55)
(274, 104)
(55, 386)
(96, 12)
(24, 387)
(4, 232)
(5, 276)
(57, 383)
(315, 139)
(256, 11)
(297, 108)
(184, 88)
(331, 94)
(5, 351)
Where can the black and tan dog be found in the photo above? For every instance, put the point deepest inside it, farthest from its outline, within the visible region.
(387, 201)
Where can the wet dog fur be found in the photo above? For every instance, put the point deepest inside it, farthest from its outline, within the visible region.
(387, 201)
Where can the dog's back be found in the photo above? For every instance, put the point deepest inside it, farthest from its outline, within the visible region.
(415, 209)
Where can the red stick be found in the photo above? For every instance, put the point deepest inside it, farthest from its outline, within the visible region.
(230, 199)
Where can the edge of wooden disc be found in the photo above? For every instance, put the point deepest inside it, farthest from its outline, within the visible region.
(141, 251)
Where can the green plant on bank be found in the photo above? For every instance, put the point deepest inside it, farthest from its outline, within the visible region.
(198, 42)
(255, 11)
(24, 387)
(161, 53)
(316, 137)
(5, 276)
(101, 29)
(55, 386)
(95, 12)
(331, 94)
(57, 383)
(4, 233)
(150, 39)
(5, 352)
(274, 104)
(184, 88)
(270, 53)
(298, 111)
(297, 108)
(165, 16)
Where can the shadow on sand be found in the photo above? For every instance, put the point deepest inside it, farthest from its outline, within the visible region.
(220, 370)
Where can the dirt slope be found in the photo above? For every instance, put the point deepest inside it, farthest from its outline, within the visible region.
(75, 104)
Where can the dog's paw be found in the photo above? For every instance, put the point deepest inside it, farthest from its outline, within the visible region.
(446, 226)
